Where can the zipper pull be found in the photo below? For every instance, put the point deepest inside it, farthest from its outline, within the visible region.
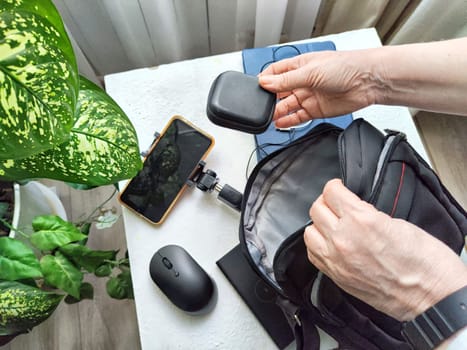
(391, 132)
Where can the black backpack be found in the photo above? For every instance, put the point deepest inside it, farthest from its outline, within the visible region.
(383, 170)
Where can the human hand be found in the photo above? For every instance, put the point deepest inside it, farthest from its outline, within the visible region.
(318, 85)
(388, 263)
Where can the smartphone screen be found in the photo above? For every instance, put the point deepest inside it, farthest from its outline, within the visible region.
(166, 169)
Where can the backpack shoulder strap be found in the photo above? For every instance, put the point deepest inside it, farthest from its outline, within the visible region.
(302, 325)
(359, 148)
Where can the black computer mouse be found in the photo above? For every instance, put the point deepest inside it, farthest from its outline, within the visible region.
(183, 280)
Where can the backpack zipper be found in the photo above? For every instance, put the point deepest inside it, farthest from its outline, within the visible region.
(393, 138)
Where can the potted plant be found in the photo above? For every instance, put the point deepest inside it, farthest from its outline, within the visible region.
(53, 124)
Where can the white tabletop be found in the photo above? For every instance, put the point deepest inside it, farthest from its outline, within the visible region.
(200, 223)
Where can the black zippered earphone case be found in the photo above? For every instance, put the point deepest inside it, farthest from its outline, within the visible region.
(237, 101)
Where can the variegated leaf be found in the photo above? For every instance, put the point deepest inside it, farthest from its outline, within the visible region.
(102, 149)
(38, 78)
(23, 307)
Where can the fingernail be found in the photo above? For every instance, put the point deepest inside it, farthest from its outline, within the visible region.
(265, 79)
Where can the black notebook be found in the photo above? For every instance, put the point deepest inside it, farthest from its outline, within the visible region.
(259, 297)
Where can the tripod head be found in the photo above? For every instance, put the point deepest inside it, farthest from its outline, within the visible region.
(207, 181)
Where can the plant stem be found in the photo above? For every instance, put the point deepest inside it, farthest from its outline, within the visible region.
(117, 263)
(99, 207)
(7, 224)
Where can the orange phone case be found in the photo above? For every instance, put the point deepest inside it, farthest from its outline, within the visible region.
(182, 189)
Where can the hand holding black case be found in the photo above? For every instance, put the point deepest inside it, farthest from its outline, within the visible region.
(237, 101)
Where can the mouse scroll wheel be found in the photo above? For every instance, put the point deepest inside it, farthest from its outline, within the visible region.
(167, 263)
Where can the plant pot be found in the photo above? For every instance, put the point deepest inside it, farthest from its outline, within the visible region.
(25, 202)
(37, 199)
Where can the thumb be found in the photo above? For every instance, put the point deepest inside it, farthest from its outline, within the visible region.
(287, 81)
(339, 198)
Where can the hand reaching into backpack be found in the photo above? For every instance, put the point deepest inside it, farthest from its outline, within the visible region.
(389, 263)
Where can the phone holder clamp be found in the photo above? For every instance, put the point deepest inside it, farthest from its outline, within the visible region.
(207, 181)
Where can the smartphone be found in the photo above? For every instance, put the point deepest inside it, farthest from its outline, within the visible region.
(170, 162)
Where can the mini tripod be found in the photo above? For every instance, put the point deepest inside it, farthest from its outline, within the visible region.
(207, 181)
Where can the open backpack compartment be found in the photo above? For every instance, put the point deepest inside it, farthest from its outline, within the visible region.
(383, 170)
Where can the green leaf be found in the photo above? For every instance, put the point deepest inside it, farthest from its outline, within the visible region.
(124, 262)
(38, 78)
(102, 148)
(115, 288)
(61, 273)
(23, 307)
(120, 287)
(125, 277)
(87, 258)
(52, 123)
(85, 228)
(86, 292)
(52, 232)
(28, 281)
(17, 261)
(46, 9)
(103, 270)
